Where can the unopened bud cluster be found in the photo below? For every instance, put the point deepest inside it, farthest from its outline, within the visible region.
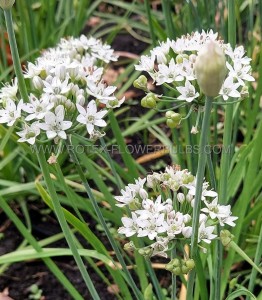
(179, 266)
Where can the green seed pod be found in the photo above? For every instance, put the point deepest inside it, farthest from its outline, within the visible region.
(169, 114)
(141, 83)
(210, 68)
(6, 4)
(176, 262)
(171, 124)
(149, 101)
(129, 246)
(190, 263)
(185, 269)
(177, 271)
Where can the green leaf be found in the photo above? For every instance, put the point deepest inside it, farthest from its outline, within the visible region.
(240, 292)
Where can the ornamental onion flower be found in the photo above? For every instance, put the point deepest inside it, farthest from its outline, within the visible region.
(161, 209)
(67, 92)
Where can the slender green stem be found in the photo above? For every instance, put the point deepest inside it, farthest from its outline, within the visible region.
(62, 221)
(15, 55)
(226, 155)
(168, 18)
(173, 291)
(256, 261)
(120, 184)
(199, 186)
(102, 221)
(150, 22)
(30, 239)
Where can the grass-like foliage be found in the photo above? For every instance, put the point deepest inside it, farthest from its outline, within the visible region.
(147, 157)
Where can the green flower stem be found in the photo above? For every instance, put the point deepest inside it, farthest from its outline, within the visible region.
(119, 256)
(150, 22)
(62, 221)
(199, 186)
(256, 262)
(31, 240)
(226, 155)
(15, 55)
(173, 291)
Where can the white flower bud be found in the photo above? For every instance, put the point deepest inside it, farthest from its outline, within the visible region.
(60, 72)
(80, 99)
(187, 232)
(38, 83)
(210, 68)
(143, 194)
(180, 197)
(6, 4)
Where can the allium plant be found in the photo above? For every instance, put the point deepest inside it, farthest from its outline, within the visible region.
(173, 64)
(67, 93)
(161, 207)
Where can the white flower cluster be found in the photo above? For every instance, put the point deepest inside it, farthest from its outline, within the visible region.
(167, 214)
(66, 92)
(173, 63)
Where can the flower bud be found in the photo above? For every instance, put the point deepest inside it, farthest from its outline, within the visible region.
(210, 68)
(244, 92)
(6, 4)
(190, 263)
(177, 271)
(149, 101)
(179, 59)
(146, 252)
(225, 237)
(173, 119)
(38, 83)
(141, 83)
(129, 246)
(180, 197)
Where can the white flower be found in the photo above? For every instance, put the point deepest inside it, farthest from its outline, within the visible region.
(9, 91)
(221, 212)
(130, 225)
(138, 188)
(168, 73)
(240, 72)
(146, 63)
(229, 220)
(175, 223)
(127, 198)
(151, 207)
(229, 89)
(33, 70)
(187, 231)
(188, 92)
(186, 69)
(11, 112)
(54, 123)
(205, 191)
(100, 91)
(56, 86)
(160, 247)
(29, 133)
(205, 234)
(151, 226)
(90, 116)
(237, 55)
(37, 109)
